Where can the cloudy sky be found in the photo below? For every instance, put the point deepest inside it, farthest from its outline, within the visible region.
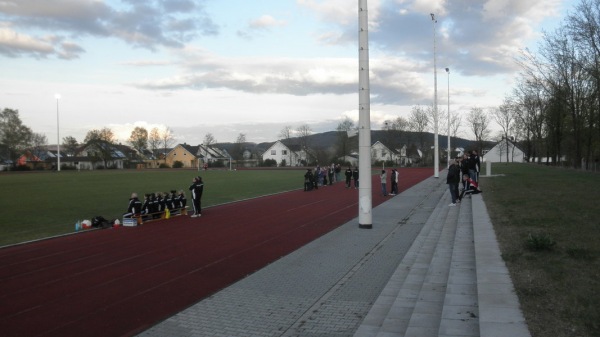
(237, 66)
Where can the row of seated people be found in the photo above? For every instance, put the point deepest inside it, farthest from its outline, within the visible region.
(155, 204)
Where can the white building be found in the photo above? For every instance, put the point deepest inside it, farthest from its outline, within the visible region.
(280, 152)
(504, 151)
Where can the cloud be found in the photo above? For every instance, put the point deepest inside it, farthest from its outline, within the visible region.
(15, 44)
(266, 22)
(475, 37)
(148, 24)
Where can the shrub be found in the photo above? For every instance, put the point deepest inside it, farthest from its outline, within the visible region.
(177, 164)
(164, 165)
(539, 242)
(270, 163)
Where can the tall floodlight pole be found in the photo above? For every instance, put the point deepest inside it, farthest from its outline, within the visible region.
(365, 202)
(436, 145)
(57, 96)
(448, 72)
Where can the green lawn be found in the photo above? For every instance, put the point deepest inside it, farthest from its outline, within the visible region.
(548, 225)
(41, 204)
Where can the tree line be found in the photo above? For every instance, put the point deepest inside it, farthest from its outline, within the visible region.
(554, 110)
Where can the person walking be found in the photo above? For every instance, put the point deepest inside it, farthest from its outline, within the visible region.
(453, 179)
(197, 189)
(394, 182)
(383, 178)
(355, 177)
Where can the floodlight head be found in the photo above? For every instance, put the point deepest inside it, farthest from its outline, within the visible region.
(432, 16)
(57, 96)
(448, 70)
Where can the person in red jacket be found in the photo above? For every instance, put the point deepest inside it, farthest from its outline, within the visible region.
(470, 186)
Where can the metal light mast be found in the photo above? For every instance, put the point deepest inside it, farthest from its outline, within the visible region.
(365, 199)
(449, 151)
(436, 145)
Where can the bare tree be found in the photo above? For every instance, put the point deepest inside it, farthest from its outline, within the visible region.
(286, 132)
(343, 146)
(139, 140)
(504, 117)
(166, 140)
(419, 122)
(154, 141)
(101, 142)
(304, 131)
(238, 148)
(479, 123)
(38, 144)
(209, 139)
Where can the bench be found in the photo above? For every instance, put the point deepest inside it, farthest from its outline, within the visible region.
(141, 218)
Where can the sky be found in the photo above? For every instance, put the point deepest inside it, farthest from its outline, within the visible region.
(230, 67)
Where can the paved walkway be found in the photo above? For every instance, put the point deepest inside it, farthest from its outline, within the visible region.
(425, 269)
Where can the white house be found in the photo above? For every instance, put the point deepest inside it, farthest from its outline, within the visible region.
(380, 152)
(504, 151)
(279, 152)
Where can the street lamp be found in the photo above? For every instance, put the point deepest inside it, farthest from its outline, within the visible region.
(436, 159)
(448, 72)
(57, 96)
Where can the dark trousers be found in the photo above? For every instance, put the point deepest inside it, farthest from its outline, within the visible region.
(196, 203)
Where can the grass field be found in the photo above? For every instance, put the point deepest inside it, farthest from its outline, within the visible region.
(41, 204)
(548, 225)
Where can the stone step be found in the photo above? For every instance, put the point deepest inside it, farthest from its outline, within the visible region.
(434, 289)
(427, 313)
(460, 315)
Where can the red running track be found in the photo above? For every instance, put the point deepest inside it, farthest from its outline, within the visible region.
(119, 282)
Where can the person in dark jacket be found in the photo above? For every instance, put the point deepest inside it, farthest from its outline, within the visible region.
(146, 205)
(355, 177)
(134, 207)
(308, 180)
(348, 175)
(453, 179)
(197, 189)
(474, 166)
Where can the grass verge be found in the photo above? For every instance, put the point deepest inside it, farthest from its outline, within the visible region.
(548, 227)
(42, 204)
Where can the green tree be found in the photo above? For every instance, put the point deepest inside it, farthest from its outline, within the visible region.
(13, 134)
(69, 145)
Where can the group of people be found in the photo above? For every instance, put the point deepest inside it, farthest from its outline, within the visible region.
(465, 169)
(321, 176)
(156, 203)
(394, 182)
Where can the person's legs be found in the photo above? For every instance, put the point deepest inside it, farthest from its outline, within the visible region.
(452, 193)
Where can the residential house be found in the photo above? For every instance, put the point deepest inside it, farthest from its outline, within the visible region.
(505, 150)
(91, 157)
(293, 155)
(196, 156)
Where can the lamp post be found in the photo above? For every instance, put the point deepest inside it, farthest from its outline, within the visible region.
(448, 72)
(57, 96)
(436, 159)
